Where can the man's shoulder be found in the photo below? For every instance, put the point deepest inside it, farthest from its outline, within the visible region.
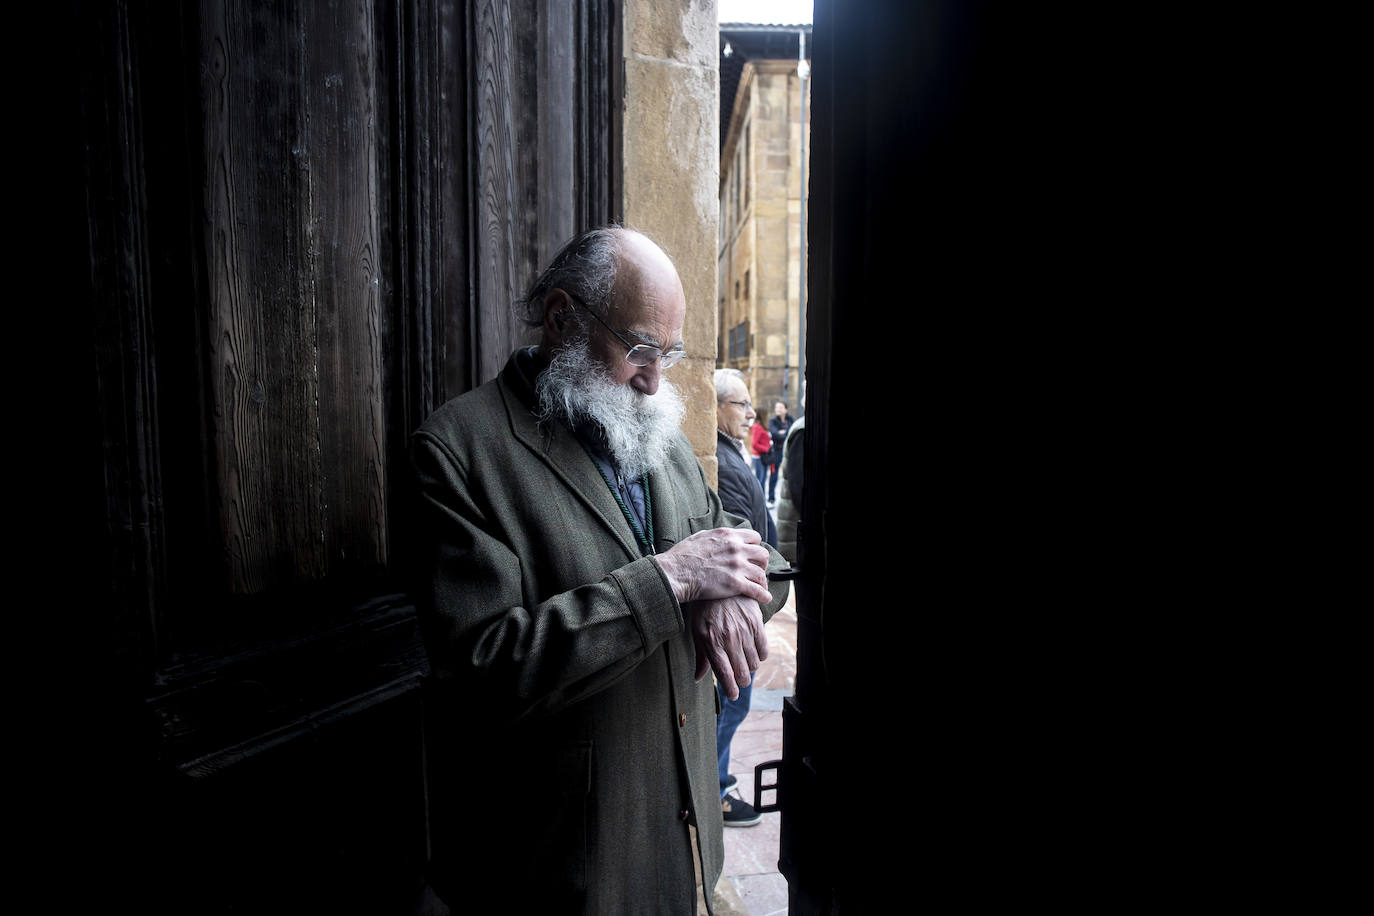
(475, 422)
(460, 412)
(732, 472)
(490, 402)
(682, 458)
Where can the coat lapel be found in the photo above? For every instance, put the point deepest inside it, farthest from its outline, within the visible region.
(668, 521)
(556, 446)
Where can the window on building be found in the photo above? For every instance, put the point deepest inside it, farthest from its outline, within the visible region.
(734, 192)
(739, 341)
(744, 169)
(741, 186)
(724, 220)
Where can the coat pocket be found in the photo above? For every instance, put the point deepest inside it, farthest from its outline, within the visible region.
(695, 523)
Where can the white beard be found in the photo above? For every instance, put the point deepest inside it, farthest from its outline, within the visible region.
(639, 428)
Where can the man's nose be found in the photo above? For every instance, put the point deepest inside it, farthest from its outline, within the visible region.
(646, 379)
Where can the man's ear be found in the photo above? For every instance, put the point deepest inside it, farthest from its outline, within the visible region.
(556, 305)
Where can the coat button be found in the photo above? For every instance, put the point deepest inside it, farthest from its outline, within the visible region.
(681, 719)
(684, 814)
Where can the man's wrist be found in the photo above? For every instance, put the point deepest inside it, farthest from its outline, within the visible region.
(668, 566)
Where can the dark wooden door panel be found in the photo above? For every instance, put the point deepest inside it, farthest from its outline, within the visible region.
(307, 224)
(295, 265)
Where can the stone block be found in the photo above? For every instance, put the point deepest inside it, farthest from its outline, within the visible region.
(677, 30)
(671, 167)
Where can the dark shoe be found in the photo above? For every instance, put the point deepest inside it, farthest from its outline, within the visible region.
(730, 786)
(737, 812)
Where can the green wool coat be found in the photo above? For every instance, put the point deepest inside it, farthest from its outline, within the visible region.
(569, 746)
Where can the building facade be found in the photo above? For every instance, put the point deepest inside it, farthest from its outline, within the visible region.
(760, 261)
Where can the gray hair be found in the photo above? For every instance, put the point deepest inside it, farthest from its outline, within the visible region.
(585, 267)
(722, 384)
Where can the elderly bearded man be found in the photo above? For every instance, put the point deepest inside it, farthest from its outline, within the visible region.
(583, 580)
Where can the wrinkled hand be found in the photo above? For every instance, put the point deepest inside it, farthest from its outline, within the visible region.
(730, 640)
(719, 563)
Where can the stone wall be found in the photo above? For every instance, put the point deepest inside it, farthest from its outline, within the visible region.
(670, 175)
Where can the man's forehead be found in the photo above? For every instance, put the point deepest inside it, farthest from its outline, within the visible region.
(651, 322)
(664, 340)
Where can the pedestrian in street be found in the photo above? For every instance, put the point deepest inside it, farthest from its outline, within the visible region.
(778, 425)
(790, 476)
(741, 495)
(760, 444)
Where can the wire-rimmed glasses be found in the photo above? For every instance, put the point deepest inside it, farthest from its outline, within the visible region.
(640, 354)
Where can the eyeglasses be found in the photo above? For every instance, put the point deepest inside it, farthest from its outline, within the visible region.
(640, 354)
(747, 405)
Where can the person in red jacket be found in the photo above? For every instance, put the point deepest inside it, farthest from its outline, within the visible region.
(760, 443)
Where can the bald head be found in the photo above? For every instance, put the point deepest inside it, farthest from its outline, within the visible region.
(592, 265)
(645, 275)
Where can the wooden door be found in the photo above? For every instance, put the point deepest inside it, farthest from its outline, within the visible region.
(306, 224)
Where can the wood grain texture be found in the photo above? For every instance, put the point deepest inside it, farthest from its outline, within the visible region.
(494, 138)
(556, 162)
(121, 310)
(347, 265)
(599, 106)
(294, 300)
(430, 188)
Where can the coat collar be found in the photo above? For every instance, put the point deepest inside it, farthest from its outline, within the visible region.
(729, 441)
